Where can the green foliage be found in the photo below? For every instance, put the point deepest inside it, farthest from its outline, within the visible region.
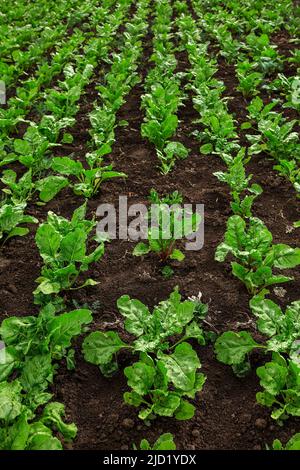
(251, 244)
(62, 244)
(168, 222)
(89, 180)
(280, 380)
(292, 444)
(276, 135)
(11, 218)
(239, 183)
(165, 375)
(164, 442)
(33, 345)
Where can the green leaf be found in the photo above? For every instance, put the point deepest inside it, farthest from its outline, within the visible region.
(181, 366)
(50, 187)
(206, 149)
(18, 232)
(47, 240)
(65, 327)
(36, 374)
(141, 249)
(272, 377)
(10, 400)
(41, 438)
(177, 255)
(165, 403)
(140, 377)
(67, 166)
(136, 314)
(99, 348)
(22, 147)
(53, 416)
(268, 315)
(47, 287)
(73, 246)
(286, 257)
(185, 411)
(194, 331)
(246, 125)
(231, 348)
(22, 429)
(164, 442)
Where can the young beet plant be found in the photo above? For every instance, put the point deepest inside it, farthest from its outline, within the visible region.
(280, 377)
(34, 346)
(166, 375)
(62, 244)
(11, 218)
(239, 183)
(89, 180)
(169, 222)
(251, 244)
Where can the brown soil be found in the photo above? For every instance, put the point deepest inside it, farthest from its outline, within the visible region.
(227, 415)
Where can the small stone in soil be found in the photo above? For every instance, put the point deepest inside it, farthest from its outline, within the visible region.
(12, 288)
(128, 423)
(261, 423)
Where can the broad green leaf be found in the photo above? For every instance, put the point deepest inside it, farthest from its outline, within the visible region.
(185, 411)
(65, 327)
(268, 315)
(50, 186)
(67, 166)
(231, 348)
(206, 149)
(136, 314)
(181, 366)
(272, 377)
(165, 404)
(53, 416)
(140, 377)
(141, 249)
(47, 240)
(177, 255)
(22, 147)
(99, 348)
(286, 257)
(10, 400)
(73, 246)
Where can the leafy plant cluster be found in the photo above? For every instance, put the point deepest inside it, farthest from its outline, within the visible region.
(279, 377)
(35, 345)
(63, 246)
(257, 60)
(218, 132)
(33, 150)
(15, 61)
(165, 377)
(121, 77)
(168, 221)
(163, 94)
(250, 243)
(247, 239)
(276, 137)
